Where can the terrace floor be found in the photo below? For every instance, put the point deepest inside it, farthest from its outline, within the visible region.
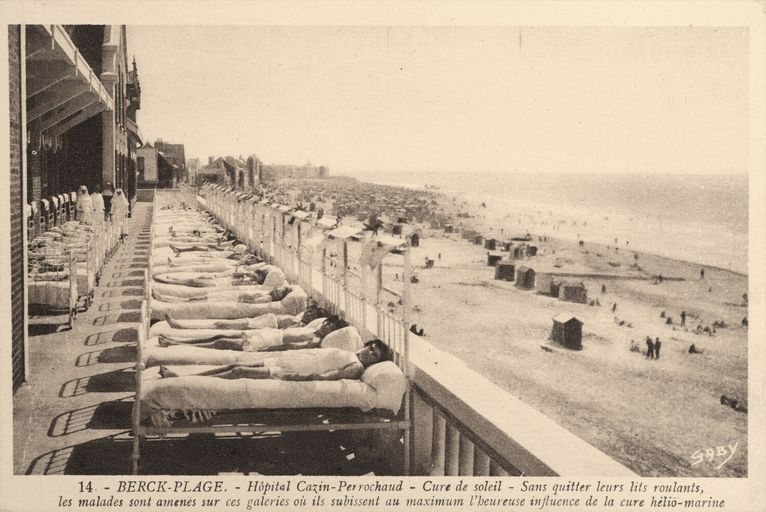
(73, 415)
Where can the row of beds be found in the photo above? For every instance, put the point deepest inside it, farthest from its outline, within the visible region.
(204, 404)
(65, 256)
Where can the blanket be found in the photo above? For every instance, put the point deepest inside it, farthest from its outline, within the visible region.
(381, 386)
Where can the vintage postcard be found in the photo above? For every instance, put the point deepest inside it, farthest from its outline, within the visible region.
(384, 255)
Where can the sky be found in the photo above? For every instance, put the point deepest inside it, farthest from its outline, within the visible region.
(498, 99)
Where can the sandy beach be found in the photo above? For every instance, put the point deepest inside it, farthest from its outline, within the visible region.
(650, 414)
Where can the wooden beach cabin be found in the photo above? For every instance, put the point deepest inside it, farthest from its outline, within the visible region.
(478, 239)
(519, 252)
(545, 284)
(493, 259)
(525, 277)
(567, 330)
(573, 292)
(505, 270)
(506, 246)
(531, 250)
(414, 237)
(490, 244)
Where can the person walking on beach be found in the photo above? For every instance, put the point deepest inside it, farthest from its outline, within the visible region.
(702, 273)
(649, 348)
(683, 318)
(657, 345)
(614, 307)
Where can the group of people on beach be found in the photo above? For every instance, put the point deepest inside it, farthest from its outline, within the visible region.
(653, 347)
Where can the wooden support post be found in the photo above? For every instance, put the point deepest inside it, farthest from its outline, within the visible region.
(466, 457)
(480, 462)
(438, 444)
(452, 451)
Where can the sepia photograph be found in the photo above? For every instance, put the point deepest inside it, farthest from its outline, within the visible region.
(370, 249)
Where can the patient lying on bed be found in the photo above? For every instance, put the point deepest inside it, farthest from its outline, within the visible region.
(232, 259)
(258, 297)
(303, 365)
(293, 304)
(193, 247)
(311, 313)
(269, 339)
(269, 276)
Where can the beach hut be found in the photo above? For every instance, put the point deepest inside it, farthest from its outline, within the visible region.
(531, 250)
(519, 251)
(505, 270)
(544, 284)
(414, 237)
(396, 229)
(448, 228)
(525, 277)
(567, 330)
(573, 292)
(493, 259)
(490, 243)
(478, 239)
(506, 246)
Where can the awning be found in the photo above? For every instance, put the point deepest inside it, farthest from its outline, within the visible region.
(327, 222)
(376, 249)
(345, 232)
(395, 243)
(299, 214)
(62, 89)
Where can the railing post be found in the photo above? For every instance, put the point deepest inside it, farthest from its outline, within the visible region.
(452, 451)
(438, 445)
(466, 456)
(480, 462)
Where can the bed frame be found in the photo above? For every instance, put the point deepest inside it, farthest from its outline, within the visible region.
(100, 248)
(71, 307)
(392, 330)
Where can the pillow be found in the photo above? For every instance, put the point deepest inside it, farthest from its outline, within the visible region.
(347, 338)
(389, 384)
(316, 323)
(295, 302)
(275, 278)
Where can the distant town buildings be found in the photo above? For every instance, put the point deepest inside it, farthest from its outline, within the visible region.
(175, 155)
(213, 172)
(245, 173)
(307, 170)
(192, 167)
(155, 168)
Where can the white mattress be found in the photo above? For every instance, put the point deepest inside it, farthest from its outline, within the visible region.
(180, 290)
(54, 294)
(294, 303)
(382, 386)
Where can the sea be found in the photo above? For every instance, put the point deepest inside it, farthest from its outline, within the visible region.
(697, 218)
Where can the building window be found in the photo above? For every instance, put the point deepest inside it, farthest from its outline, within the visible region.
(140, 168)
